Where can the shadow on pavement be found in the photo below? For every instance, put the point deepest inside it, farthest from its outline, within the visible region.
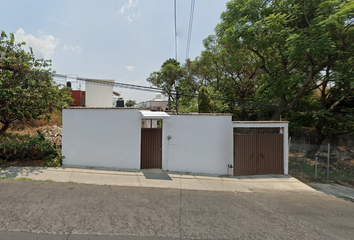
(157, 176)
(20, 171)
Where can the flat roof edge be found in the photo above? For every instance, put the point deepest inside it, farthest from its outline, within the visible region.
(256, 122)
(202, 114)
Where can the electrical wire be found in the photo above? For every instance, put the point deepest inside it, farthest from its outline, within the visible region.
(61, 77)
(190, 28)
(175, 11)
(64, 78)
(161, 90)
(106, 82)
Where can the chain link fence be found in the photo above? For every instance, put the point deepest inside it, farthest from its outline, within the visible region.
(331, 161)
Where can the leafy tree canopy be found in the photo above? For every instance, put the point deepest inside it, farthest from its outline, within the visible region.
(305, 51)
(167, 78)
(130, 103)
(27, 90)
(231, 77)
(293, 42)
(205, 104)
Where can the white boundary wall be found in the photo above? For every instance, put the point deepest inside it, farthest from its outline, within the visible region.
(101, 137)
(111, 137)
(271, 124)
(198, 143)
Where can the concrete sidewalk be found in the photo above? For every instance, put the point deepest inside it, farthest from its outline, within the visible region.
(335, 190)
(159, 179)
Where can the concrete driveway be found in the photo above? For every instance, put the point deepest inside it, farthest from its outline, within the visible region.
(194, 207)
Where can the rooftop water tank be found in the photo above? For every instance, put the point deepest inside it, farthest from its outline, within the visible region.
(120, 103)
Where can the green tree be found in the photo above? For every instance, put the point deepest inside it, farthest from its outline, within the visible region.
(167, 78)
(130, 103)
(27, 90)
(205, 104)
(233, 74)
(294, 41)
(300, 46)
(329, 110)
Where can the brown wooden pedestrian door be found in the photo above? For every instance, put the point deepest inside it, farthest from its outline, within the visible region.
(151, 148)
(256, 154)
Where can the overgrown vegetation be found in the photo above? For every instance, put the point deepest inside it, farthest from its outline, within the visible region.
(304, 170)
(27, 88)
(31, 125)
(28, 98)
(341, 164)
(15, 147)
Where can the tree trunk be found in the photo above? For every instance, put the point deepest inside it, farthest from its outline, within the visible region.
(4, 128)
(176, 101)
(169, 100)
(315, 144)
(277, 115)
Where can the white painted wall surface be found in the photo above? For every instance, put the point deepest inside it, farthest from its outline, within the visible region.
(199, 143)
(99, 94)
(102, 137)
(157, 104)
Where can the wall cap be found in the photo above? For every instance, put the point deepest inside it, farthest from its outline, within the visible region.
(257, 122)
(116, 108)
(200, 114)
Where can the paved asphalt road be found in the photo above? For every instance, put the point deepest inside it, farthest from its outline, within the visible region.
(48, 210)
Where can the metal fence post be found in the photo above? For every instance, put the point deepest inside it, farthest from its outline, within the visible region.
(328, 153)
(316, 166)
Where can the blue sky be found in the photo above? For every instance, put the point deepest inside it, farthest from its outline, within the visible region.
(124, 40)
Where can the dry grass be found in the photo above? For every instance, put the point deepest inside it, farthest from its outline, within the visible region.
(31, 126)
(341, 171)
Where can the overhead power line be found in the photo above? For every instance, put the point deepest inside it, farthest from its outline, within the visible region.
(65, 78)
(161, 90)
(175, 10)
(190, 28)
(105, 82)
(144, 88)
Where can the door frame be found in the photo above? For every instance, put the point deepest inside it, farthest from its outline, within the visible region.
(283, 125)
(148, 162)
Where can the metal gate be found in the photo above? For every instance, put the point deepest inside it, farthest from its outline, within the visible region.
(151, 148)
(257, 153)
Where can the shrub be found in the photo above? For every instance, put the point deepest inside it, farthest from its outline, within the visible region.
(24, 147)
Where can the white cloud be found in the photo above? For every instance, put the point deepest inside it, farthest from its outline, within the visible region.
(129, 19)
(72, 48)
(130, 4)
(43, 47)
(130, 68)
(131, 15)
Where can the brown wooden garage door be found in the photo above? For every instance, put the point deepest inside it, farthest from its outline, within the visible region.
(151, 148)
(256, 154)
